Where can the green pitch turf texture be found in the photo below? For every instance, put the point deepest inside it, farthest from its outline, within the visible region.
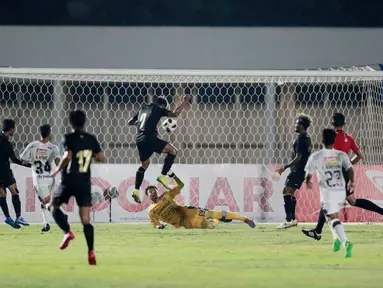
(233, 256)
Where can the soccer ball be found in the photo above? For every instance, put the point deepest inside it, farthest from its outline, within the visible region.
(169, 125)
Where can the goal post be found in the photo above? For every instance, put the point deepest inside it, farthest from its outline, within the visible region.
(236, 129)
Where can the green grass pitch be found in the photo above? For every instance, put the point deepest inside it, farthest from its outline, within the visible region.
(230, 256)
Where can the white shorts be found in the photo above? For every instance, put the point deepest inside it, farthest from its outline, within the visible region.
(44, 188)
(333, 202)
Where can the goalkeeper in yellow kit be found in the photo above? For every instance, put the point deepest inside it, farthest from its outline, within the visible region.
(164, 208)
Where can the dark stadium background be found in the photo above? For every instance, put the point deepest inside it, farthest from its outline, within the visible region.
(292, 13)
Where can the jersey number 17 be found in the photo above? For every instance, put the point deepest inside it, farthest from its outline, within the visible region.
(83, 159)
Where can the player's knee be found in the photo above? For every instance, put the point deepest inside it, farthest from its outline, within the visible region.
(144, 165)
(85, 220)
(351, 200)
(3, 193)
(14, 190)
(335, 222)
(171, 150)
(331, 217)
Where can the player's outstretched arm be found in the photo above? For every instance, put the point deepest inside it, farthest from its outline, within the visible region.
(176, 190)
(14, 159)
(180, 107)
(179, 182)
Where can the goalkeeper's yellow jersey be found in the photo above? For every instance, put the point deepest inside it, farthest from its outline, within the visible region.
(167, 209)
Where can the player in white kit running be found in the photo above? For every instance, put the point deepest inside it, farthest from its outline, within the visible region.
(42, 154)
(328, 163)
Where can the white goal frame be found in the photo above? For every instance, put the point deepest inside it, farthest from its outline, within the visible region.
(239, 136)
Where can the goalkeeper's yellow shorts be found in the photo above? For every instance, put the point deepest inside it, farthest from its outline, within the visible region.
(194, 218)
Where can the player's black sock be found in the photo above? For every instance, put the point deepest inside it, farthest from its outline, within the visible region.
(60, 219)
(16, 204)
(368, 205)
(4, 206)
(293, 205)
(321, 222)
(288, 207)
(139, 177)
(169, 160)
(89, 235)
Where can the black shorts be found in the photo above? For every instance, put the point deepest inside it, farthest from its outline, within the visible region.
(147, 145)
(6, 179)
(346, 179)
(295, 179)
(78, 188)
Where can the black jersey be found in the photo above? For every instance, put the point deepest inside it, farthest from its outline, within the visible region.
(148, 117)
(6, 153)
(84, 146)
(303, 146)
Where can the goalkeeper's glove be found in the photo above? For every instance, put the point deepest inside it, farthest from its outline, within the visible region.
(161, 226)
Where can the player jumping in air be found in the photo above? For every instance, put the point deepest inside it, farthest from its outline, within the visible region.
(329, 163)
(301, 153)
(80, 148)
(343, 142)
(41, 155)
(7, 181)
(147, 141)
(164, 208)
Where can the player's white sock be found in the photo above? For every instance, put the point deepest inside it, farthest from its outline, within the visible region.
(44, 213)
(338, 229)
(333, 232)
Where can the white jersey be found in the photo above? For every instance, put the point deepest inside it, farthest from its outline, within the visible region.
(329, 163)
(42, 157)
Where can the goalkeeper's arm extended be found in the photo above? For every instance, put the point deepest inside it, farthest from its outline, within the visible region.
(179, 183)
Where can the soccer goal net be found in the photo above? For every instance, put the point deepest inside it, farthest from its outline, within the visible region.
(238, 127)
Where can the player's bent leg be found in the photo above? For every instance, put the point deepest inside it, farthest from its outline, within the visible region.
(4, 208)
(59, 198)
(169, 160)
(317, 231)
(224, 216)
(17, 204)
(140, 174)
(364, 204)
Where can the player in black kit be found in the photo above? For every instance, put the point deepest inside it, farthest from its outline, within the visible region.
(7, 181)
(147, 141)
(80, 148)
(301, 152)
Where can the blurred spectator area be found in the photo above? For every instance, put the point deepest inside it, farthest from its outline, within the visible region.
(314, 13)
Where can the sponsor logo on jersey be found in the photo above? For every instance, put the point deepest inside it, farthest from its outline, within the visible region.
(40, 151)
(41, 154)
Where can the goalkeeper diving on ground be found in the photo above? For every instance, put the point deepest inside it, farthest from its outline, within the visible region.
(164, 208)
